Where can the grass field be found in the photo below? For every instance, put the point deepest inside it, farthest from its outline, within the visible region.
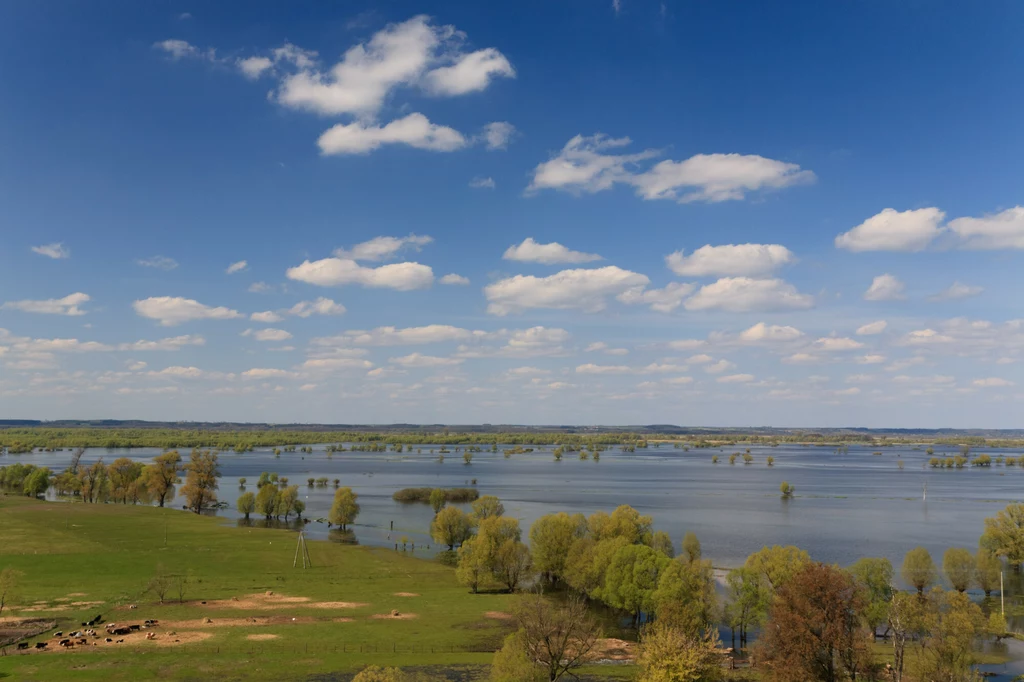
(82, 560)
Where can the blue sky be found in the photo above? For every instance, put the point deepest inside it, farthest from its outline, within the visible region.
(700, 213)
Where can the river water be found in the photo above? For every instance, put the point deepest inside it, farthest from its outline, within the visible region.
(846, 506)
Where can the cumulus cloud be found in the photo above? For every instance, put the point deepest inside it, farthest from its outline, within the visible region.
(259, 288)
(497, 135)
(417, 360)
(957, 291)
(174, 310)
(181, 49)
(269, 334)
(744, 294)
(57, 250)
(51, 306)
(747, 260)
(384, 248)
(254, 67)
(719, 367)
(1000, 231)
(833, 343)
(885, 288)
(158, 263)
(414, 130)
(237, 267)
(169, 344)
(602, 347)
(395, 336)
(482, 183)
(661, 300)
(872, 328)
(521, 343)
(591, 368)
(267, 316)
(872, 359)
(581, 289)
(584, 166)
(454, 280)
(333, 272)
(470, 73)
(736, 379)
(762, 332)
(330, 364)
(992, 382)
(267, 373)
(321, 306)
(893, 230)
(531, 251)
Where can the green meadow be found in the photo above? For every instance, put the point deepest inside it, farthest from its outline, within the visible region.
(331, 619)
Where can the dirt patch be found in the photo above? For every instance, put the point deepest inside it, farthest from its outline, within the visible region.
(267, 601)
(406, 594)
(162, 639)
(498, 615)
(36, 609)
(87, 603)
(256, 621)
(260, 638)
(614, 649)
(394, 615)
(78, 594)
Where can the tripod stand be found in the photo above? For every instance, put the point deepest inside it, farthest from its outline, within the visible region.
(301, 549)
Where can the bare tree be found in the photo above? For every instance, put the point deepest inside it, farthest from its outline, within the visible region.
(160, 584)
(559, 638)
(182, 582)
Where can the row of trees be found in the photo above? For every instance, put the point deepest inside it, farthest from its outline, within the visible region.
(124, 480)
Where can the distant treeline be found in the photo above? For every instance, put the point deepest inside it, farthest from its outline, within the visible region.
(423, 495)
(26, 439)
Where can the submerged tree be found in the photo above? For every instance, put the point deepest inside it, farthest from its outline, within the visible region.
(345, 509)
(162, 475)
(918, 569)
(246, 504)
(959, 566)
(201, 476)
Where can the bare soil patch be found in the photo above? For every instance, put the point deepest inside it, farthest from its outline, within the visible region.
(498, 615)
(268, 601)
(394, 615)
(614, 649)
(261, 638)
(406, 594)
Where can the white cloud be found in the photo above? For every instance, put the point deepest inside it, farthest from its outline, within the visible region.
(991, 382)
(583, 166)
(736, 379)
(137, 365)
(269, 334)
(872, 328)
(957, 291)
(833, 343)
(522, 343)
(330, 272)
(582, 289)
(420, 360)
(384, 248)
(266, 373)
(168, 344)
(57, 250)
(893, 230)
(394, 336)
(321, 306)
(762, 332)
(802, 359)
(470, 73)
(482, 183)
(719, 367)
(267, 316)
(237, 267)
(749, 260)
(334, 363)
(601, 346)
(454, 279)
(885, 288)
(687, 344)
(51, 306)
(662, 300)
(531, 251)
(188, 373)
(180, 49)
(497, 135)
(173, 310)
(701, 359)
(1000, 231)
(259, 288)
(415, 130)
(925, 336)
(591, 368)
(254, 67)
(517, 372)
(158, 262)
(871, 359)
(743, 294)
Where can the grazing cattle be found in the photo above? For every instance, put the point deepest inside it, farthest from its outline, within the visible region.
(58, 634)
(132, 606)
(22, 645)
(151, 623)
(150, 635)
(65, 642)
(84, 623)
(119, 641)
(108, 640)
(40, 645)
(134, 627)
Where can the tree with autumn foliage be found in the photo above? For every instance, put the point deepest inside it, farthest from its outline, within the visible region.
(814, 632)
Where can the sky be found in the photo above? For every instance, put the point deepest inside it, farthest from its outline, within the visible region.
(559, 212)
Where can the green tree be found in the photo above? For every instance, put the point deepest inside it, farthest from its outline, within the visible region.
(512, 563)
(246, 504)
(345, 508)
(286, 500)
(37, 483)
(467, 457)
(201, 476)
(691, 546)
(988, 570)
(473, 567)
(451, 526)
(162, 475)
(512, 664)
(954, 621)
(551, 537)
(685, 597)
(631, 579)
(777, 563)
(918, 569)
(669, 654)
(905, 619)
(438, 499)
(787, 489)
(266, 501)
(874, 577)
(662, 542)
(748, 601)
(960, 568)
(373, 673)
(587, 562)
(624, 522)
(123, 474)
(1004, 534)
(487, 506)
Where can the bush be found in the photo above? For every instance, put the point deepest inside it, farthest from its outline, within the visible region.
(448, 558)
(423, 495)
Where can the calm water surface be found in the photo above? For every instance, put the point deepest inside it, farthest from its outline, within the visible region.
(846, 505)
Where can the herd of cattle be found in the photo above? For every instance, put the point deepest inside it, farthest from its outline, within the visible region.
(84, 636)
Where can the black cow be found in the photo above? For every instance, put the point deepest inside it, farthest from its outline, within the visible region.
(22, 645)
(40, 645)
